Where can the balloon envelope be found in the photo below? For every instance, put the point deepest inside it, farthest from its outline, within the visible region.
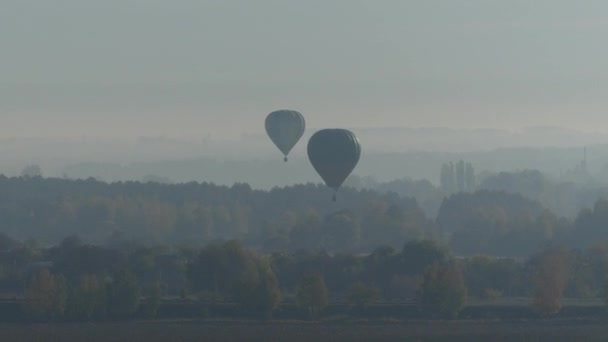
(334, 153)
(285, 128)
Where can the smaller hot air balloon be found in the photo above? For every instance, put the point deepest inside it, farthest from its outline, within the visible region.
(334, 153)
(285, 128)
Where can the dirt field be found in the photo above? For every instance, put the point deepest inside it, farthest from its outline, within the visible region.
(549, 330)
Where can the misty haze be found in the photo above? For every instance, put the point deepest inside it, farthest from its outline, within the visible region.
(303, 170)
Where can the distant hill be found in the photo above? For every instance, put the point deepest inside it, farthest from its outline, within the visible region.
(268, 172)
(388, 153)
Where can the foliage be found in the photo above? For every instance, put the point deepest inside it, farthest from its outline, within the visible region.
(197, 214)
(259, 291)
(45, 296)
(231, 270)
(443, 291)
(341, 230)
(458, 177)
(418, 255)
(361, 295)
(246, 248)
(487, 276)
(123, 295)
(153, 297)
(88, 298)
(312, 293)
(552, 273)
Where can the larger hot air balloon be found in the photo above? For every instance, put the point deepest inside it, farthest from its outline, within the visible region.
(334, 153)
(285, 128)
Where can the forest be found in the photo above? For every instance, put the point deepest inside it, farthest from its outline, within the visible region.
(90, 250)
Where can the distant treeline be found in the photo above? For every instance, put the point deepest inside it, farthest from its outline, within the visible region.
(293, 218)
(422, 279)
(563, 198)
(289, 219)
(263, 170)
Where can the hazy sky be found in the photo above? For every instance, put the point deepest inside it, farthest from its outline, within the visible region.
(196, 67)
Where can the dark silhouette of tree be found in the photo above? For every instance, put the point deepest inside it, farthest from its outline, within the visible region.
(448, 178)
(443, 292)
(470, 179)
(312, 294)
(417, 256)
(232, 271)
(460, 176)
(123, 295)
(341, 231)
(87, 299)
(361, 295)
(485, 274)
(152, 301)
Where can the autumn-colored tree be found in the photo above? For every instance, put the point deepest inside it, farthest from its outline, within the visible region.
(259, 292)
(312, 294)
(45, 295)
(552, 273)
(443, 291)
(231, 270)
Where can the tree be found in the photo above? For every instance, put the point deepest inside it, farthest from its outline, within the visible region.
(306, 233)
(258, 290)
(380, 266)
(448, 178)
(194, 223)
(416, 256)
(604, 292)
(206, 270)
(45, 295)
(341, 231)
(150, 178)
(486, 275)
(312, 294)
(123, 296)
(153, 299)
(361, 295)
(460, 176)
(267, 296)
(597, 257)
(552, 273)
(231, 270)
(443, 291)
(88, 298)
(470, 177)
(529, 183)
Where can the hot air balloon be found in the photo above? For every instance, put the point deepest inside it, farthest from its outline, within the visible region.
(334, 153)
(285, 128)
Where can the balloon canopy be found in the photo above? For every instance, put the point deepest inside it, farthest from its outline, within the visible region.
(334, 153)
(285, 128)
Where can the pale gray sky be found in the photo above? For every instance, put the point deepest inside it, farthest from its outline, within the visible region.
(193, 67)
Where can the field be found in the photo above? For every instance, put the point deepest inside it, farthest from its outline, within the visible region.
(295, 331)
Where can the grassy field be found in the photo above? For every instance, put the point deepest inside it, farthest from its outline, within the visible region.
(294, 331)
